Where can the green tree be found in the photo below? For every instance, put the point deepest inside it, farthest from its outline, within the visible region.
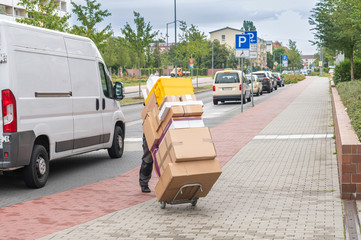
(277, 56)
(294, 55)
(43, 14)
(140, 38)
(248, 26)
(89, 16)
(194, 44)
(270, 60)
(220, 55)
(337, 26)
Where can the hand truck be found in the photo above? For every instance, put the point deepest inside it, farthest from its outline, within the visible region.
(185, 194)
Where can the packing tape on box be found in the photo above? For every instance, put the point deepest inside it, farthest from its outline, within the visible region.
(167, 105)
(154, 151)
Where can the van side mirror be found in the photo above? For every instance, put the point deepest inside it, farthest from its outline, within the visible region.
(118, 91)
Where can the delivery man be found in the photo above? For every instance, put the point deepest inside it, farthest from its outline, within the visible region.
(146, 168)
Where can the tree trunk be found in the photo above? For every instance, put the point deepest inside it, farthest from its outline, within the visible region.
(140, 73)
(352, 65)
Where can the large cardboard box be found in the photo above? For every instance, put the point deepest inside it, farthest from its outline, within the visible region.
(176, 175)
(187, 144)
(150, 130)
(193, 110)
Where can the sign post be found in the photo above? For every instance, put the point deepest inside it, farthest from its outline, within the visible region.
(253, 54)
(242, 45)
(285, 60)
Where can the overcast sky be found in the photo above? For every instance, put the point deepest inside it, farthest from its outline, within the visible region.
(276, 20)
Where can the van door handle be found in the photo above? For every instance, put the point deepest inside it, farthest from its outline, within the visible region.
(97, 104)
(103, 104)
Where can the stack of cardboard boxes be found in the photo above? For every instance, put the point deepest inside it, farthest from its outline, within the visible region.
(182, 147)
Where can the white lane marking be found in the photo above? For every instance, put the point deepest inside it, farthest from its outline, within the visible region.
(295, 136)
(133, 140)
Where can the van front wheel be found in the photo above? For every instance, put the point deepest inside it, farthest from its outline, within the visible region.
(37, 172)
(117, 148)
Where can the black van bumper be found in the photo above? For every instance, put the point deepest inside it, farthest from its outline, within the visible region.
(16, 149)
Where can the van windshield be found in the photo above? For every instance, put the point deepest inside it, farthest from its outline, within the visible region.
(227, 78)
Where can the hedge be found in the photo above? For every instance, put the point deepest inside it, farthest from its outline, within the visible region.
(289, 78)
(343, 71)
(350, 93)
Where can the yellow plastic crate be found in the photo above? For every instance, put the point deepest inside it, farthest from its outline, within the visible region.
(171, 86)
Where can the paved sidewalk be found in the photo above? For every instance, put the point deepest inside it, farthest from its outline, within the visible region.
(279, 180)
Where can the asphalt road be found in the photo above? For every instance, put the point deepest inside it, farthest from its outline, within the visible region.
(96, 166)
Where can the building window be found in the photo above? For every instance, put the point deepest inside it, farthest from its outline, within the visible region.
(63, 6)
(223, 38)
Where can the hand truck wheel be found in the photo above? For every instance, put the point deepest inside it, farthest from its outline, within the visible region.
(162, 205)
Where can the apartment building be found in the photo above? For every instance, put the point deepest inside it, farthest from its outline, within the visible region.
(308, 61)
(227, 36)
(10, 9)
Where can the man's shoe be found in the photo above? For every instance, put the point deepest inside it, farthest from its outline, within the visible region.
(145, 189)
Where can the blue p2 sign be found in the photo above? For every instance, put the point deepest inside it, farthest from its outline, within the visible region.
(252, 36)
(242, 41)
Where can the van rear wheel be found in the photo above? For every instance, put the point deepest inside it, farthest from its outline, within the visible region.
(117, 148)
(37, 172)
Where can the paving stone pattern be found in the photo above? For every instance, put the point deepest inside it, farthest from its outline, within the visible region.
(271, 189)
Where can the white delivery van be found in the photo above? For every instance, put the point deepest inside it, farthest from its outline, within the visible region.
(57, 100)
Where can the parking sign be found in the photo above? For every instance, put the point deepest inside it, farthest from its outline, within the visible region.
(252, 36)
(242, 41)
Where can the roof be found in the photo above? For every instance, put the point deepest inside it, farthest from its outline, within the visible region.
(225, 29)
(277, 45)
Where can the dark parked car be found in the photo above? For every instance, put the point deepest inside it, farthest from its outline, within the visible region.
(280, 79)
(268, 81)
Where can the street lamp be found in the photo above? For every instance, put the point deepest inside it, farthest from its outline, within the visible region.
(13, 9)
(212, 56)
(175, 32)
(167, 40)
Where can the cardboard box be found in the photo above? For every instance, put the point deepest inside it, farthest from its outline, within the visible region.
(193, 110)
(177, 110)
(169, 99)
(152, 102)
(176, 175)
(155, 114)
(144, 112)
(162, 162)
(188, 144)
(177, 123)
(150, 131)
(188, 97)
